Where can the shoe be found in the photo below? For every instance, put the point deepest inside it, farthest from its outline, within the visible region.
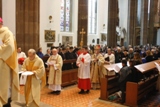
(58, 92)
(121, 102)
(87, 91)
(53, 92)
(82, 92)
(8, 104)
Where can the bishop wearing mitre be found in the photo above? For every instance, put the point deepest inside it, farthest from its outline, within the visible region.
(9, 78)
(35, 78)
(96, 67)
(55, 63)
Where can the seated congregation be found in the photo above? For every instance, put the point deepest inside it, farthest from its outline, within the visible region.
(128, 74)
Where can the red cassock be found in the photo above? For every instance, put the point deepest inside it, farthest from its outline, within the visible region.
(84, 84)
(84, 71)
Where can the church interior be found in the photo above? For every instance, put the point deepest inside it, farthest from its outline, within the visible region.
(131, 25)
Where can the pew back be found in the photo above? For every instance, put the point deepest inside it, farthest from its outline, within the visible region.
(108, 87)
(136, 91)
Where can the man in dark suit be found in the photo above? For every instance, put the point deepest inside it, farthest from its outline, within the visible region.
(123, 78)
(69, 55)
(118, 55)
(63, 55)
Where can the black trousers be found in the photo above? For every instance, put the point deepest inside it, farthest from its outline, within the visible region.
(122, 87)
(8, 104)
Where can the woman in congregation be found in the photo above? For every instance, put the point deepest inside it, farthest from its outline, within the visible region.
(149, 56)
(137, 58)
(39, 52)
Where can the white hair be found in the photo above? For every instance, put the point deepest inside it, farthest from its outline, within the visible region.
(153, 50)
(118, 48)
(32, 51)
(130, 49)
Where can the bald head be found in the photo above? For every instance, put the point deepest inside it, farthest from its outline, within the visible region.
(54, 51)
(32, 51)
(31, 54)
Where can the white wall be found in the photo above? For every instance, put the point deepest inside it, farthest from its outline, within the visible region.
(123, 11)
(9, 14)
(47, 8)
(52, 7)
(102, 9)
(123, 14)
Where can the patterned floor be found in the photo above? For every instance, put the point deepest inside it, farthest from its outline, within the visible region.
(69, 97)
(21, 103)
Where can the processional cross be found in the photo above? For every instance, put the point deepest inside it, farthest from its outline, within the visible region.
(82, 33)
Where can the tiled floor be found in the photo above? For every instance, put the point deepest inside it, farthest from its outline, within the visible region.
(21, 103)
(69, 97)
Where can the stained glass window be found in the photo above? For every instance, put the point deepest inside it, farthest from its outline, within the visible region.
(92, 16)
(65, 20)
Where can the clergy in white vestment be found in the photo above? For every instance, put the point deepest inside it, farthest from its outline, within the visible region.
(34, 66)
(83, 62)
(21, 56)
(9, 78)
(97, 70)
(55, 63)
(109, 59)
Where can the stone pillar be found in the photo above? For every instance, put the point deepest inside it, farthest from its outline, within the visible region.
(82, 21)
(0, 8)
(132, 17)
(144, 22)
(112, 22)
(153, 9)
(27, 24)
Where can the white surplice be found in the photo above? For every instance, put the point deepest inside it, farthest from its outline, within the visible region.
(84, 68)
(24, 77)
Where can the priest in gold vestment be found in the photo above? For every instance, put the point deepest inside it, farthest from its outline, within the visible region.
(55, 63)
(35, 81)
(97, 68)
(9, 78)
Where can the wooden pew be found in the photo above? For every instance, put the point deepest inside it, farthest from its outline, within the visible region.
(109, 85)
(136, 91)
(69, 77)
